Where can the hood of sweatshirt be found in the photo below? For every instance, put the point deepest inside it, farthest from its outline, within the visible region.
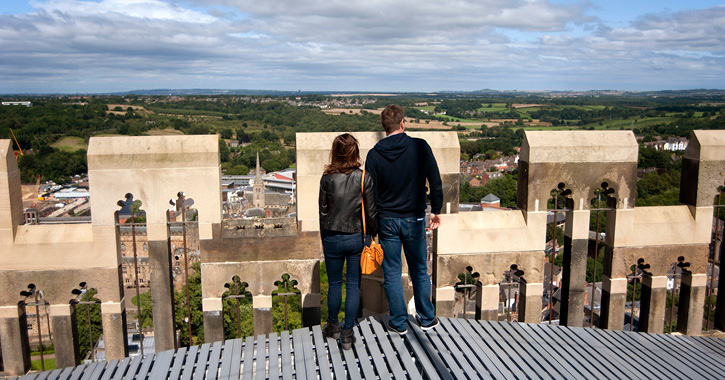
(393, 146)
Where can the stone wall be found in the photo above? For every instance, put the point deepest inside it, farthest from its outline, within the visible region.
(259, 251)
(154, 169)
(55, 258)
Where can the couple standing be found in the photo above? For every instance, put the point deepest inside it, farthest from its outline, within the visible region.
(395, 203)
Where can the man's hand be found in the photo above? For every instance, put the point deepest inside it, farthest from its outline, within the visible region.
(435, 221)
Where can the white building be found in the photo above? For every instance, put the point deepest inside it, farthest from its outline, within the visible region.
(675, 144)
(24, 103)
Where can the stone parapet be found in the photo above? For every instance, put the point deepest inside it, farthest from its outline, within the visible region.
(703, 168)
(154, 169)
(490, 243)
(11, 199)
(14, 340)
(258, 228)
(263, 247)
(260, 276)
(491, 232)
(661, 225)
(582, 160)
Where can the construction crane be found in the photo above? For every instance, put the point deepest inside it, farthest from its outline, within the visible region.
(16, 141)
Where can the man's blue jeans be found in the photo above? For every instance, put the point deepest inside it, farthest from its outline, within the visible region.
(410, 234)
(338, 248)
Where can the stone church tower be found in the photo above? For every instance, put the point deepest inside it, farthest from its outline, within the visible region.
(258, 189)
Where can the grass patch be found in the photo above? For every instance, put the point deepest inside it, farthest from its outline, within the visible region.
(187, 112)
(590, 107)
(70, 144)
(528, 109)
(496, 107)
(630, 123)
(550, 128)
(35, 364)
(163, 132)
(458, 119)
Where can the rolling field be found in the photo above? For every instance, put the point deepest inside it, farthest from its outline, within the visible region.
(70, 144)
(524, 110)
(630, 123)
(550, 128)
(495, 107)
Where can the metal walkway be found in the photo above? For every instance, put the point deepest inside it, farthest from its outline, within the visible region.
(456, 349)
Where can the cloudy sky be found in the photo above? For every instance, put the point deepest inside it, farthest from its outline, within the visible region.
(372, 45)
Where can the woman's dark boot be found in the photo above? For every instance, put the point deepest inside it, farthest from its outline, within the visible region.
(348, 338)
(332, 330)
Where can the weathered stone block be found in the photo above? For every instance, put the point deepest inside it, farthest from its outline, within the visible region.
(530, 302)
(703, 168)
(162, 294)
(692, 302)
(617, 262)
(213, 326)
(260, 276)
(582, 160)
(113, 318)
(614, 297)
(654, 301)
(262, 247)
(65, 336)
(154, 169)
(487, 302)
(14, 340)
(491, 266)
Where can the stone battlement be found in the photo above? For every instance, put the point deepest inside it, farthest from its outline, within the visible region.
(56, 258)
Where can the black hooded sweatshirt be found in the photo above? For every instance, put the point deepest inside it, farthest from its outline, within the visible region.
(400, 166)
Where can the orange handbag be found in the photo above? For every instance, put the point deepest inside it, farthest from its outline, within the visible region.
(372, 255)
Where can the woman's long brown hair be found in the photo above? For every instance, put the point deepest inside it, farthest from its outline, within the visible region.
(344, 155)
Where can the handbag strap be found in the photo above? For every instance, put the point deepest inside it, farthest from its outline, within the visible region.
(362, 202)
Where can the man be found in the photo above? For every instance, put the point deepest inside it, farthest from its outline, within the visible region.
(400, 166)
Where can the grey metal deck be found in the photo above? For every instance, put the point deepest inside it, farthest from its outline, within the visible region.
(456, 349)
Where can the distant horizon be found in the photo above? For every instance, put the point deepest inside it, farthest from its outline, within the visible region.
(372, 93)
(407, 46)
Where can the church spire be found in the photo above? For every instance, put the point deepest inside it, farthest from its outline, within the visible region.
(258, 188)
(258, 173)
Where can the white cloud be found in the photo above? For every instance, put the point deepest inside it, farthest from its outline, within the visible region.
(114, 45)
(702, 29)
(145, 9)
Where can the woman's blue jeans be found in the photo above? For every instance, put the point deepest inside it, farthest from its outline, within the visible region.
(338, 248)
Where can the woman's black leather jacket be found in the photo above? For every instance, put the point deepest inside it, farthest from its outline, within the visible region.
(340, 198)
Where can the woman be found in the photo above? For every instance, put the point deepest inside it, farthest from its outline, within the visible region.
(342, 231)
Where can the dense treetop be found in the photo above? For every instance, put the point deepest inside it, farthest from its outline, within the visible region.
(54, 132)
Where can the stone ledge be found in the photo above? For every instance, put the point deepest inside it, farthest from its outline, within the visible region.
(153, 152)
(579, 146)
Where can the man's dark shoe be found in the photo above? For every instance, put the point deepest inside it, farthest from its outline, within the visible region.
(348, 338)
(396, 330)
(429, 326)
(332, 330)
